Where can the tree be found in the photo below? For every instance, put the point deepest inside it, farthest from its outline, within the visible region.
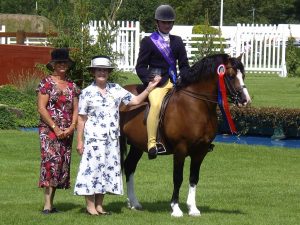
(17, 7)
(142, 11)
(72, 23)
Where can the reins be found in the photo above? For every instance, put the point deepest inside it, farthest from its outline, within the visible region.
(233, 93)
(199, 96)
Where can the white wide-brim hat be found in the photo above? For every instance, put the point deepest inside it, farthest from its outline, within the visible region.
(101, 62)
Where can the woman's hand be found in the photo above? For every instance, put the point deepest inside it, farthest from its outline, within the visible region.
(80, 147)
(59, 133)
(69, 131)
(152, 84)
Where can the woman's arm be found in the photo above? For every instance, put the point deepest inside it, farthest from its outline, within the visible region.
(141, 97)
(80, 130)
(42, 110)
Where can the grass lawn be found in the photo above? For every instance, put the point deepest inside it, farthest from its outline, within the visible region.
(239, 184)
(269, 90)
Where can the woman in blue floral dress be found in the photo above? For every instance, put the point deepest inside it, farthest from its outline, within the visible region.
(98, 135)
(58, 109)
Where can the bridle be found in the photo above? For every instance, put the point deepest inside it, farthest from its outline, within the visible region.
(233, 93)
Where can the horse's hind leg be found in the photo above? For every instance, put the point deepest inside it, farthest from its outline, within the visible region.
(130, 164)
(178, 164)
(194, 178)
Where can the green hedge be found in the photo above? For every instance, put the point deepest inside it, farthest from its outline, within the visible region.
(7, 118)
(18, 109)
(264, 121)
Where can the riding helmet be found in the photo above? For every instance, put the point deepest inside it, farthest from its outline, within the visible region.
(165, 13)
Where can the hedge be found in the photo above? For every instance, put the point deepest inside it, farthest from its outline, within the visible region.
(17, 109)
(264, 121)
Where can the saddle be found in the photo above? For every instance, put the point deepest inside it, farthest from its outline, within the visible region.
(160, 139)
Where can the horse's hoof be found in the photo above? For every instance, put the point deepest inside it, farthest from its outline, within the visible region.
(194, 212)
(176, 210)
(177, 214)
(136, 206)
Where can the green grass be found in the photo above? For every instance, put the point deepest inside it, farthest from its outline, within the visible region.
(270, 90)
(239, 184)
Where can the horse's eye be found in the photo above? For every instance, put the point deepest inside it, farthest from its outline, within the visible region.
(231, 76)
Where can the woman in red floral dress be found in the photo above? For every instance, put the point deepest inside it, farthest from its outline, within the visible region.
(58, 109)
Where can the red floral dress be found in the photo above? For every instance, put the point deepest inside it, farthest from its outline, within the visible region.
(55, 153)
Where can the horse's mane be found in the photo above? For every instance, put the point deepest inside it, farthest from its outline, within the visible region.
(203, 69)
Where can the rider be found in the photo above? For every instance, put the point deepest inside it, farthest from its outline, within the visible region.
(159, 53)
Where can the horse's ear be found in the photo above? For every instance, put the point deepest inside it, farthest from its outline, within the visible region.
(241, 56)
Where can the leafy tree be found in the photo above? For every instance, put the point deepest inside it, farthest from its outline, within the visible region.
(17, 6)
(138, 10)
(292, 58)
(73, 32)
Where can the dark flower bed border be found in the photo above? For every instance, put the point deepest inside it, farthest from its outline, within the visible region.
(265, 121)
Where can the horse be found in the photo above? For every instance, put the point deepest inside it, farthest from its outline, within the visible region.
(188, 127)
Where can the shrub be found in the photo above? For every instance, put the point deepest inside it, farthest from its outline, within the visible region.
(18, 108)
(205, 44)
(26, 82)
(7, 118)
(263, 121)
(292, 58)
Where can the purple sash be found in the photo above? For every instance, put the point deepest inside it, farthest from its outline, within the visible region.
(166, 51)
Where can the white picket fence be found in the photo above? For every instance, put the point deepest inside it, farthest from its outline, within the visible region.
(38, 41)
(127, 40)
(263, 45)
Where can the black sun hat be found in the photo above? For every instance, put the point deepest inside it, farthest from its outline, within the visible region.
(59, 55)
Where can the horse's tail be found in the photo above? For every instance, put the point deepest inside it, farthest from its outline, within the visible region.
(123, 149)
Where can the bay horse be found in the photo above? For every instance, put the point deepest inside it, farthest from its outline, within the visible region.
(189, 124)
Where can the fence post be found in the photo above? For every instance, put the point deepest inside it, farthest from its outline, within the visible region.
(20, 37)
(2, 39)
(137, 41)
(283, 62)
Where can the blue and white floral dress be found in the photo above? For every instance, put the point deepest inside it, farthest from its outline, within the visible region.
(100, 169)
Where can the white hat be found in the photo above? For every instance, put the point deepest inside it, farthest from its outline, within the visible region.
(101, 62)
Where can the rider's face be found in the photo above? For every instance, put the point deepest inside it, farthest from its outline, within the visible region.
(165, 26)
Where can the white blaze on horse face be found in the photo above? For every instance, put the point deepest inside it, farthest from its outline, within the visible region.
(245, 94)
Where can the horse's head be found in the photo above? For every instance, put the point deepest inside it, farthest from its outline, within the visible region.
(234, 79)
(205, 70)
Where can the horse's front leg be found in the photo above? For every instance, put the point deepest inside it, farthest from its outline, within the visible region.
(178, 164)
(194, 178)
(130, 164)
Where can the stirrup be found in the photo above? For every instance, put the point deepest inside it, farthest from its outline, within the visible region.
(160, 148)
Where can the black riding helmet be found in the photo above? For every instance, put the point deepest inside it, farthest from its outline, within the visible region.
(165, 13)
